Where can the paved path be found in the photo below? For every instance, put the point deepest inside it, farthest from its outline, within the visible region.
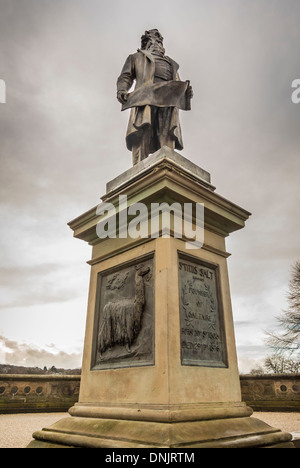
(16, 429)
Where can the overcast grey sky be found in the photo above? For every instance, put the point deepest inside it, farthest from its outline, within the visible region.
(62, 138)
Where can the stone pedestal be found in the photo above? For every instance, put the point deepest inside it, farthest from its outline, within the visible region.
(159, 364)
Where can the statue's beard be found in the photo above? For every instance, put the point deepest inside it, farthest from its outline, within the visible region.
(156, 47)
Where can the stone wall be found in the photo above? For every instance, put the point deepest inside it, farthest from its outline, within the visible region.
(278, 392)
(38, 393)
(45, 393)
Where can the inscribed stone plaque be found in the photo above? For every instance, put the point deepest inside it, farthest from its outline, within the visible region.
(201, 314)
(124, 316)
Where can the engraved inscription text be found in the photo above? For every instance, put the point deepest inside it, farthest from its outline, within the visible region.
(201, 316)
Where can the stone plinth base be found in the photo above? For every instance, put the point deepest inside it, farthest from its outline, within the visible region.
(159, 366)
(161, 427)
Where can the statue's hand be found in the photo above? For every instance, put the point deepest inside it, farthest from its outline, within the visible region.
(122, 96)
(190, 92)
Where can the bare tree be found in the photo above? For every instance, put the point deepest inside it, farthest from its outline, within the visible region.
(259, 370)
(287, 341)
(277, 364)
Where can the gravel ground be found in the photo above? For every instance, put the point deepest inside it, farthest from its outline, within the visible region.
(287, 422)
(16, 429)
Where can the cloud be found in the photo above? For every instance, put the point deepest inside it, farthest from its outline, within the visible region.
(62, 138)
(248, 362)
(29, 355)
(24, 286)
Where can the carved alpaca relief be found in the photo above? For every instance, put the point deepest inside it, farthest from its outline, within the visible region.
(125, 314)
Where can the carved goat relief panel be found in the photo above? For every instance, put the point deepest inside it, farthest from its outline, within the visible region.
(201, 313)
(124, 316)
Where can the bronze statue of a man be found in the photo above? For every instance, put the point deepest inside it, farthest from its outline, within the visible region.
(154, 103)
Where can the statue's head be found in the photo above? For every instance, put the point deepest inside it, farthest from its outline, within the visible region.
(152, 38)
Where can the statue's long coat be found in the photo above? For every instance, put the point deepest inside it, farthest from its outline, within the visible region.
(141, 67)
